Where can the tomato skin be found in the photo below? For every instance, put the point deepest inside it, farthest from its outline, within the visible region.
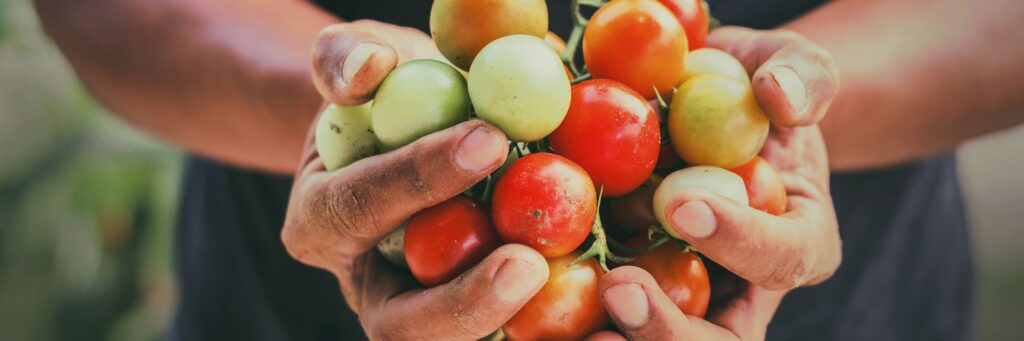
(695, 21)
(443, 241)
(714, 61)
(343, 135)
(631, 214)
(558, 44)
(461, 28)
(607, 124)
(568, 307)
(416, 99)
(714, 179)
(681, 275)
(544, 201)
(764, 188)
(716, 121)
(636, 42)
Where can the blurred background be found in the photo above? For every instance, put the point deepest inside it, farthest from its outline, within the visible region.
(87, 207)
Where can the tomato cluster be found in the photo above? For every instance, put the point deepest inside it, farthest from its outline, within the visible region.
(577, 138)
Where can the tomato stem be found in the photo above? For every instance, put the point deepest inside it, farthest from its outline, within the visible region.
(599, 247)
(579, 24)
(581, 78)
(641, 250)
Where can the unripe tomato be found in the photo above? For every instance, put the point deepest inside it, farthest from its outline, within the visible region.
(764, 188)
(416, 99)
(546, 202)
(567, 307)
(462, 27)
(681, 275)
(695, 21)
(714, 61)
(343, 135)
(558, 44)
(715, 121)
(607, 124)
(443, 241)
(714, 179)
(518, 84)
(636, 42)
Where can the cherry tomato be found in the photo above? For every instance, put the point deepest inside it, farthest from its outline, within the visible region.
(714, 179)
(632, 214)
(668, 158)
(681, 275)
(544, 201)
(518, 84)
(764, 188)
(558, 44)
(715, 121)
(695, 21)
(714, 61)
(568, 307)
(608, 124)
(418, 98)
(443, 241)
(461, 28)
(343, 135)
(636, 42)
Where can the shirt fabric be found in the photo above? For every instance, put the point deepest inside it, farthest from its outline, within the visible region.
(906, 271)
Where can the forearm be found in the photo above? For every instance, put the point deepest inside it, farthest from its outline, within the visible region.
(229, 79)
(918, 77)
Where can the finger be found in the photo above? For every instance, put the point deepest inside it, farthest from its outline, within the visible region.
(749, 314)
(778, 252)
(471, 306)
(605, 336)
(643, 312)
(364, 201)
(793, 79)
(349, 62)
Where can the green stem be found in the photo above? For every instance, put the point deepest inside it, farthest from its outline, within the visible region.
(581, 78)
(641, 250)
(599, 247)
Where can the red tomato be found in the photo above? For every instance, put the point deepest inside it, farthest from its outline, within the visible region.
(568, 307)
(636, 42)
(612, 133)
(544, 201)
(681, 275)
(764, 188)
(695, 21)
(444, 241)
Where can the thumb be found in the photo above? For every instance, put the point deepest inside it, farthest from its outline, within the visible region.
(349, 62)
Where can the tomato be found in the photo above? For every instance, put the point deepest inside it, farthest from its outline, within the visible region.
(636, 42)
(567, 307)
(518, 84)
(695, 21)
(418, 98)
(764, 188)
(343, 135)
(714, 61)
(715, 121)
(607, 125)
(392, 246)
(544, 201)
(668, 158)
(443, 241)
(681, 275)
(558, 44)
(714, 179)
(461, 28)
(631, 215)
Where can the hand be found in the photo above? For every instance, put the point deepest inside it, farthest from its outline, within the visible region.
(794, 81)
(334, 219)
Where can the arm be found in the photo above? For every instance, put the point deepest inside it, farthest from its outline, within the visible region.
(918, 77)
(228, 79)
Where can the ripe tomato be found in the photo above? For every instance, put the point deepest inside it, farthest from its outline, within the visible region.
(607, 124)
(568, 307)
(462, 27)
(416, 99)
(343, 135)
(715, 121)
(443, 241)
(636, 42)
(546, 202)
(681, 275)
(631, 214)
(695, 21)
(764, 188)
(714, 61)
(714, 179)
(518, 84)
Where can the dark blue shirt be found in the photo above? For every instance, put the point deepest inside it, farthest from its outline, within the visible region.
(906, 271)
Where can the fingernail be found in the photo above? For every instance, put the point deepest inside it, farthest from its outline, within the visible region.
(694, 219)
(628, 304)
(792, 86)
(356, 59)
(515, 280)
(480, 150)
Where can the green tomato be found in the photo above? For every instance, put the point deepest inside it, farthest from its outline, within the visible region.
(416, 99)
(714, 179)
(343, 135)
(716, 121)
(518, 84)
(713, 61)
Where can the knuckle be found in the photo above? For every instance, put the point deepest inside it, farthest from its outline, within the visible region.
(348, 210)
(788, 273)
